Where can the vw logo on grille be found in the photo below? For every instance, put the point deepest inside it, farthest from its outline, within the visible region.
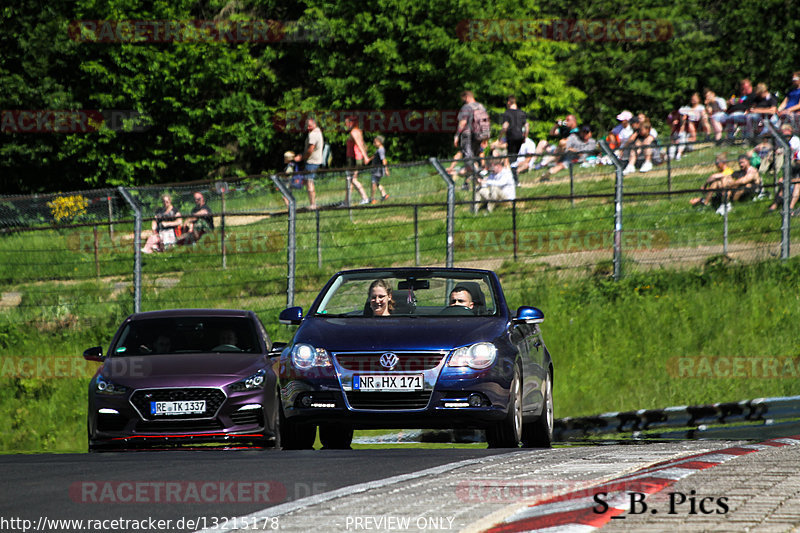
(389, 360)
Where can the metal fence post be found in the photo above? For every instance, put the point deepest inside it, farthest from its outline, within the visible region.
(137, 249)
(617, 208)
(416, 235)
(451, 207)
(787, 181)
(291, 240)
(319, 241)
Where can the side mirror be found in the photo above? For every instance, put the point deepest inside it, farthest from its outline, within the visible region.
(529, 315)
(277, 348)
(291, 315)
(94, 353)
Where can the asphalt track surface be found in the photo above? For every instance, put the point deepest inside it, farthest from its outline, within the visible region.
(389, 489)
(191, 484)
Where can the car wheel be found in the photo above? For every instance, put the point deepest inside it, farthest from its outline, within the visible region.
(539, 434)
(508, 432)
(334, 437)
(294, 435)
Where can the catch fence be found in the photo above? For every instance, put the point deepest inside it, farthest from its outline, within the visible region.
(78, 256)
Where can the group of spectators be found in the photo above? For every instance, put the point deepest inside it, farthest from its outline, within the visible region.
(634, 140)
(169, 228)
(312, 157)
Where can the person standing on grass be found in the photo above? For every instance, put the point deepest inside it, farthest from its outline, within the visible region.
(356, 157)
(515, 130)
(312, 155)
(379, 169)
(466, 139)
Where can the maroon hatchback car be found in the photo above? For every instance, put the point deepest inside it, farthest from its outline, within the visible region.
(185, 376)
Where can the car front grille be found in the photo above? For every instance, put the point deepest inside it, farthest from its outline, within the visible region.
(214, 398)
(370, 361)
(177, 426)
(389, 401)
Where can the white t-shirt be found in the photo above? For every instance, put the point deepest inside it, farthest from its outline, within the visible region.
(527, 149)
(626, 132)
(505, 181)
(315, 138)
(794, 143)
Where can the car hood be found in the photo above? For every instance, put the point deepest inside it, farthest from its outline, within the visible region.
(182, 369)
(398, 333)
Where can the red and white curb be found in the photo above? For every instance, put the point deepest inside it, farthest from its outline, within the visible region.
(574, 512)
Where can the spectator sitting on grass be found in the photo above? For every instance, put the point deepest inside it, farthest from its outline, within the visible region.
(640, 144)
(764, 107)
(794, 190)
(499, 185)
(524, 160)
(746, 181)
(561, 131)
(715, 109)
(578, 146)
(200, 222)
(715, 182)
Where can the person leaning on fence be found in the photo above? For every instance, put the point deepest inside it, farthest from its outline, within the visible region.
(199, 223)
(379, 169)
(166, 227)
(713, 186)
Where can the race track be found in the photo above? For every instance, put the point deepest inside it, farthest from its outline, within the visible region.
(395, 489)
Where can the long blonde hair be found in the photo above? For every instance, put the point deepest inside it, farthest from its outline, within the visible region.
(387, 287)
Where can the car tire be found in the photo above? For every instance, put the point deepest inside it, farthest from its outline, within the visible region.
(335, 437)
(539, 434)
(294, 435)
(508, 432)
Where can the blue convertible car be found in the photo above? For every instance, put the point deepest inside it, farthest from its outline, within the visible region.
(415, 348)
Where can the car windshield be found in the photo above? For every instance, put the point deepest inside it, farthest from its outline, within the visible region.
(194, 334)
(455, 294)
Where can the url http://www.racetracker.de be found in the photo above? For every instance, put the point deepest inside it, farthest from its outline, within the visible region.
(43, 523)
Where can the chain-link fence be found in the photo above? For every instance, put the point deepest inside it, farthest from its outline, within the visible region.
(79, 256)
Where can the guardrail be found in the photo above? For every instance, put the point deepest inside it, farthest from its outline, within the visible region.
(696, 421)
(762, 411)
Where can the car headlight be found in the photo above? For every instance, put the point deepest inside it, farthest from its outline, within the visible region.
(256, 381)
(104, 386)
(306, 356)
(478, 356)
